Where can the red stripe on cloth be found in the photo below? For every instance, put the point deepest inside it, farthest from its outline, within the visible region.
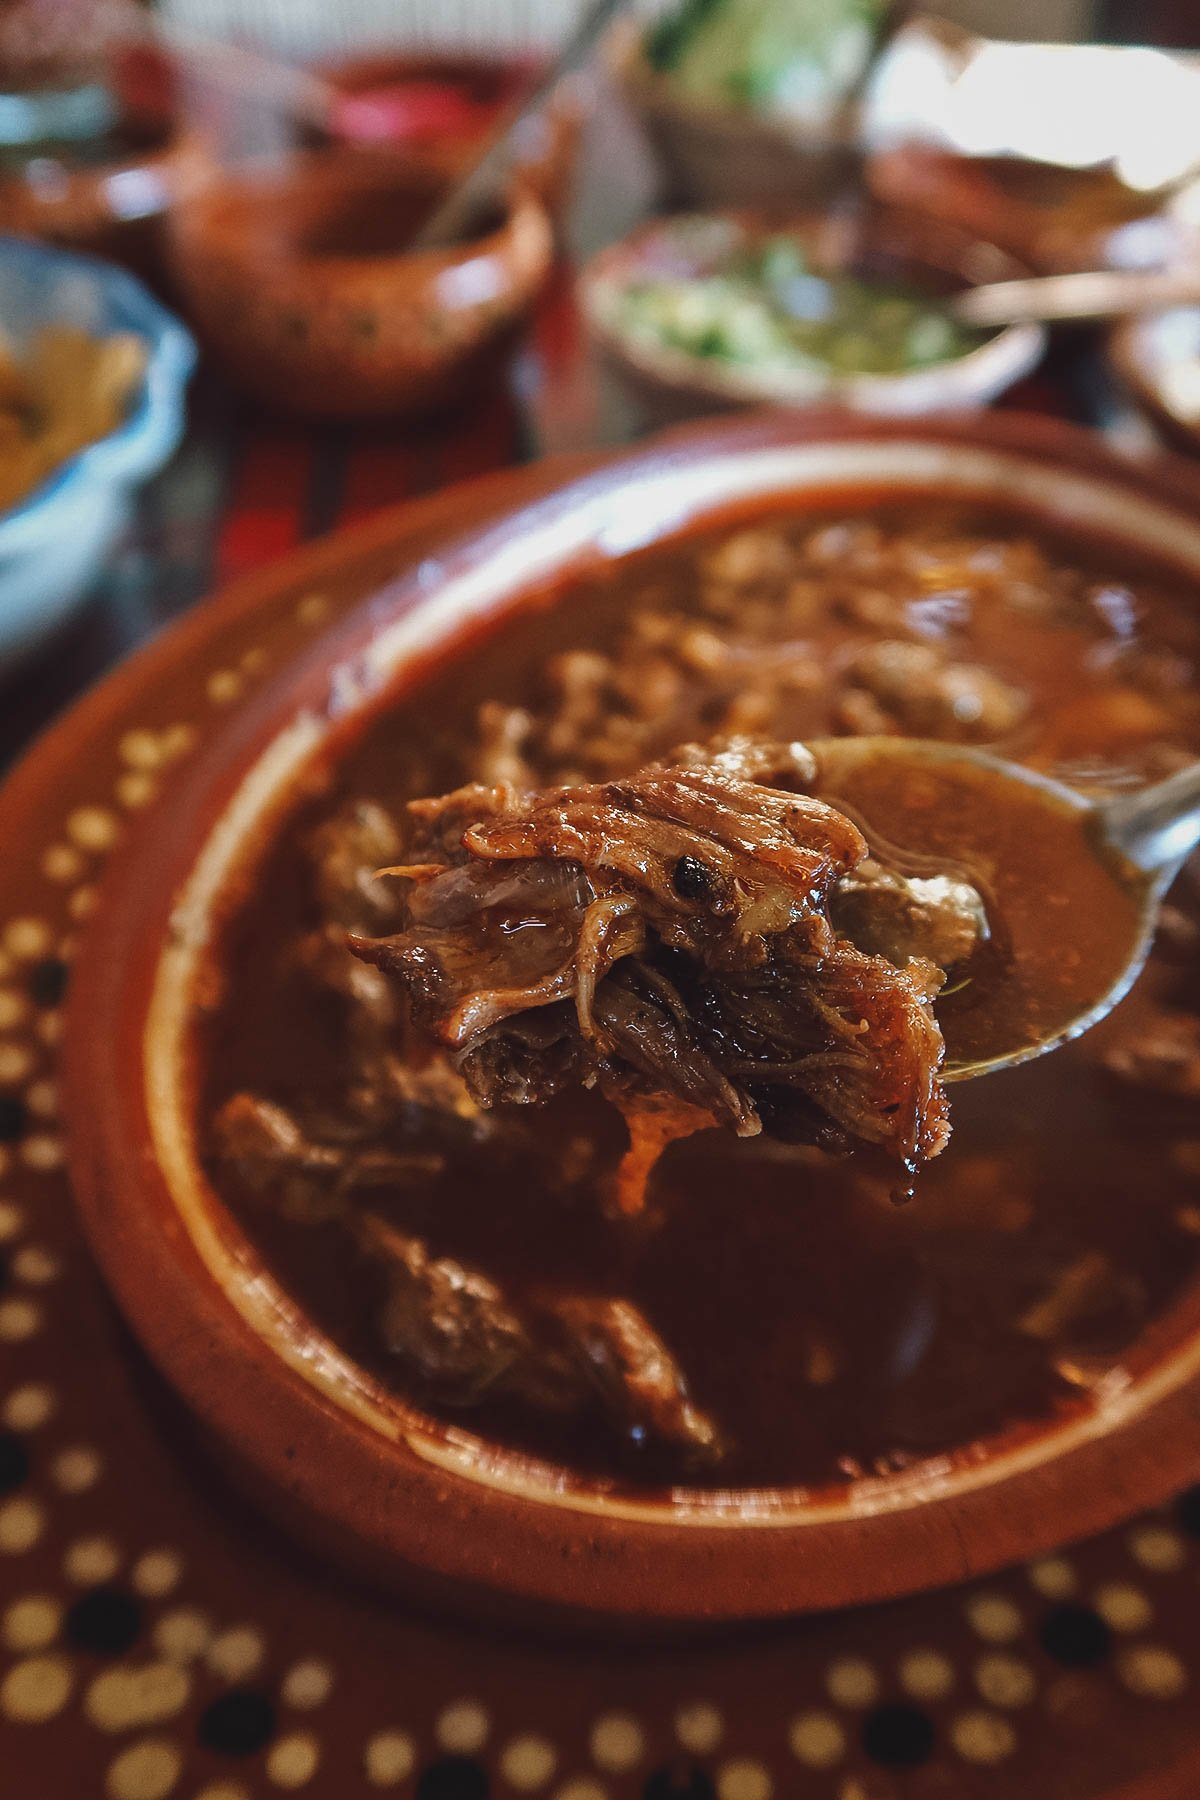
(264, 514)
(485, 441)
(381, 470)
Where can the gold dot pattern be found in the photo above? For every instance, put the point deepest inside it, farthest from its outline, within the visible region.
(292, 1760)
(35, 1265)
(1125, 1607)
(996, 1619)
(93, 828)
(699, 1727)
(308, 1684)
(926, 1674)
(528, 1763)
(21, 1525)
(36, 1689)
(32, 1622)
(91, 1560)
(1005, 1681)
(389, 1758)
(13, 1008)
(618, 1743)
(76, 1469)
(1159, 1548)
(26, 939)
(62, 863)
(28, 1407)
(744, 1779)
(182, 1634)
(983, 1737)
(19, 1319)
(157, 1573)
(852, 1682)
(15, 1063)
(146, 1771)
(236, 1653)
(817, 1740)
(1152, 1672)
(132, 1695)
(462, 1729)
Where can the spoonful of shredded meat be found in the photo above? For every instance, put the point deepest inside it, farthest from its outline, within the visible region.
(668, 938)
(1071, 887)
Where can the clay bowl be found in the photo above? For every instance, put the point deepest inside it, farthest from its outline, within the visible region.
(712, 155)
(109, 199)
(299, 276)
(1053, 218)
(1157, 357)
(475, 93)
(885, 243)
(370, 1474)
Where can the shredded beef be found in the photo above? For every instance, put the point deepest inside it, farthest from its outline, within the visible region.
(667, 937)
(463, 1339)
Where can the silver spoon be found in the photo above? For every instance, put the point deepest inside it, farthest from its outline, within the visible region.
(1128, 851)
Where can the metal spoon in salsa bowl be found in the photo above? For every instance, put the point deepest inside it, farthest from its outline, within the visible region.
(1065, 890)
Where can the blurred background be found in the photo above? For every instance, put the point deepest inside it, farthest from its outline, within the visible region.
(717, 203)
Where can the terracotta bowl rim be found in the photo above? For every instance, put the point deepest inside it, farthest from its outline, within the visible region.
(457, 1507)
(345, 169)
(967, 380)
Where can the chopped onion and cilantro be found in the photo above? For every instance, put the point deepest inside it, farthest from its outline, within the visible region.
(764, 307)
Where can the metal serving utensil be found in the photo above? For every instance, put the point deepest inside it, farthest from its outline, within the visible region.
(455, 211)
(1139, 841)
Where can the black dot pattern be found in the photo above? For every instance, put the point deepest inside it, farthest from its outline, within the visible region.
(897, 1736)
(1075, 1636)
(239, 1723)
(453, 1778)
(48, 981)
(14, 1462)
(13, 1118)
(678, 1782)
(1189, 1512)
(106, 1621)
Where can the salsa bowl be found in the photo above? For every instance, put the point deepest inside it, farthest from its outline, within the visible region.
(415, 1498)
(879, 246)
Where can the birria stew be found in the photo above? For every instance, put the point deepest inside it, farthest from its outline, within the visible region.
(578, 1064)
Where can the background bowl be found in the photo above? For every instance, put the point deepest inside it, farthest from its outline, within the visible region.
(367, 1471)
(53, 545)
(732, 156)
(881, 242)
(1053, 218)
(299, 276)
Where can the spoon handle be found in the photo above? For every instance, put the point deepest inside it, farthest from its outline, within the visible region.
(479, 184)
(1159, 827)
(1093, 294)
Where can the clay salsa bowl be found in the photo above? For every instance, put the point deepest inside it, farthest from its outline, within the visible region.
(356, 1467)
(299, 275)
(876, 243)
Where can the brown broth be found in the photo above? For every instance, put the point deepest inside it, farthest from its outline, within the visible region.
(830, 1332)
